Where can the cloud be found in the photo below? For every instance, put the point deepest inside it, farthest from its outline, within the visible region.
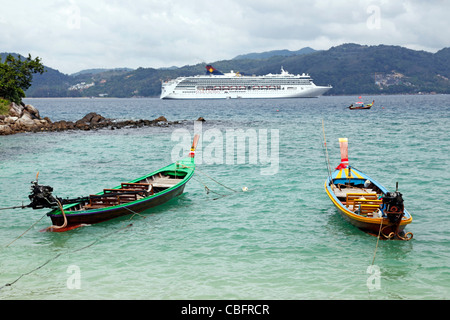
(72, 35)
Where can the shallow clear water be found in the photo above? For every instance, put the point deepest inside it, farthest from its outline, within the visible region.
(283, 239)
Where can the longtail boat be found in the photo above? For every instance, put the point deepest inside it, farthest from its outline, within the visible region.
(130, 197)
(365, 203)
(360, 105)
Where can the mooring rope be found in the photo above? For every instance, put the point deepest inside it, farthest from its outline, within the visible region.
(134, 213)
(378, 239)
(30, 272)
(205, 174)
(107, 235)
(219, 183)
(65, 219)
(25, 231)
(208, 189)
(61, 253)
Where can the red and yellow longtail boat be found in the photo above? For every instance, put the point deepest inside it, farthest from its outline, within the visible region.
(365, 203)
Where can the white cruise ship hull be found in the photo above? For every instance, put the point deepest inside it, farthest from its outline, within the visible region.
(236, 86)
(202, 94)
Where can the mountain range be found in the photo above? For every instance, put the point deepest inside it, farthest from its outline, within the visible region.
(349, 68)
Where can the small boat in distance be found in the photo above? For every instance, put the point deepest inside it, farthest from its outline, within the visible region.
(130, 197)
(364, 202)
(360, 105)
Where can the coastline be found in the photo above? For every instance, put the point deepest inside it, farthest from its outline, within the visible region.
(23, 118)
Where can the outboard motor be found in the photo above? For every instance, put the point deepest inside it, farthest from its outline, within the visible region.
(41, 196)
(393, 206)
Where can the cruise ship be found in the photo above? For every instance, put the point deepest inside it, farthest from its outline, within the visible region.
(217, 85)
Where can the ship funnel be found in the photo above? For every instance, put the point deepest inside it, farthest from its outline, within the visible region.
(343, 143)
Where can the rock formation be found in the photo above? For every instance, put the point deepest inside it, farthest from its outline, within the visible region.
(22, 118)
(26, 118)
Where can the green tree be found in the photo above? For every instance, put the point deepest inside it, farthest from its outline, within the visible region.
(16, 76)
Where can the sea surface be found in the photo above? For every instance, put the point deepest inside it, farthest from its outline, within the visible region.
(280, 239)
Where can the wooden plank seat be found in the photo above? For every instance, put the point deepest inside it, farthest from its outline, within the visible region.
(103, 200)
(341, 192)
(129, 191)
(368, 209)
(366, 205)
(351, 197)
(367, 201)
(165, 182)
(123, 191)
(108, 200)
(136, 185)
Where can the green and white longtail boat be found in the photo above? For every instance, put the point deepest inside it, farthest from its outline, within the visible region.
(130, 197)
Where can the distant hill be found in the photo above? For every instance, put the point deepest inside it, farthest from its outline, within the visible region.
(269, 54)
(349, 68)
(96, 71)
(3, 55)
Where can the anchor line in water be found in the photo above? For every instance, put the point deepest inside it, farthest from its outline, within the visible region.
(327, 158)
(25, 231)
(62, 253)
(378, 239)
(68, 252)
(208, 189)
(97, 240)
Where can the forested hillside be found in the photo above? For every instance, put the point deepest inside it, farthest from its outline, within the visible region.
(349, 68)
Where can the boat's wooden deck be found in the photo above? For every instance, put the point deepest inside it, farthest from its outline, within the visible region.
(131, 191)
(342, 193)
(165, 182)
(359, 200)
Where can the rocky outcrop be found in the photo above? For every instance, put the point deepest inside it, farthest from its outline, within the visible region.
(22, 118)
(26, 118)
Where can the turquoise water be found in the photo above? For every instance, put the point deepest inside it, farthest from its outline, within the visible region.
(282, 239)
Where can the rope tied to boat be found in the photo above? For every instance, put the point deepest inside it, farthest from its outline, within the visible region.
(408, 236)
(395, 226)
(208, 189)
(378, 239)
(53, 227)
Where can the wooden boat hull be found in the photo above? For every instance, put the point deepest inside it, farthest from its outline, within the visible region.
(96, 216)
(130, 197)
(360, 108)
(363, 201)
(368, 224)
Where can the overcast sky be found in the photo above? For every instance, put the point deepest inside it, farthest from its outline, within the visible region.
(72, 35)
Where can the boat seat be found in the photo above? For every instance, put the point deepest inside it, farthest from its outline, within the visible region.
(342, 192)
(128, 191)
(136, 185)
(368, 209)
(351, 197)
(127, 197)
(111, 199)
(366, 204)
(165, 182)
(103, 200)
(367, 201)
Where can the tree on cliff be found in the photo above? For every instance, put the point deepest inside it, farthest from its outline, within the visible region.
(16, 76)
